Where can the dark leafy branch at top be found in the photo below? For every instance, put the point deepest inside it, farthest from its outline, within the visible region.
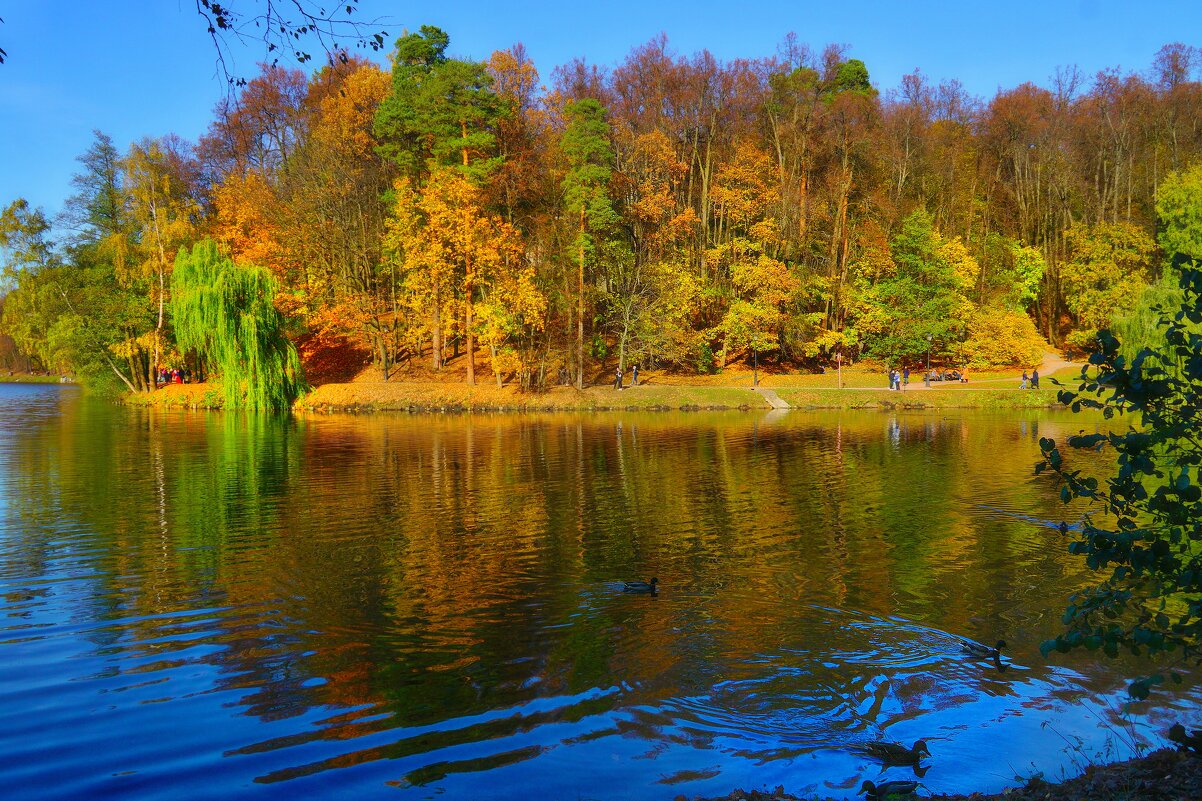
(285, 28)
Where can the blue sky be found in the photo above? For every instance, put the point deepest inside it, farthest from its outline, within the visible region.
(136, 68)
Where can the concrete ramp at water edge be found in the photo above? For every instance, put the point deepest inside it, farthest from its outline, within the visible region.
(773, 399)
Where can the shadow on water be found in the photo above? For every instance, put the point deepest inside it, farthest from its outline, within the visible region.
(434, 604)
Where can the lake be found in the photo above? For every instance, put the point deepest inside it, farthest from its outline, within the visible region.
(215, 605)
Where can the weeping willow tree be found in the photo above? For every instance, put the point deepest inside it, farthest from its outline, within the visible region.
(1139, 329)
(224, 311)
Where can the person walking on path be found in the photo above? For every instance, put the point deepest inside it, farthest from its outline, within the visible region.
(1023, 385)
(618, 377)
(634, 373)
(905, 377)
(1035, 379)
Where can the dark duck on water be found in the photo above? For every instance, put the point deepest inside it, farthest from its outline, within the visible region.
(884, 790)
(979, 651)
(895, 753)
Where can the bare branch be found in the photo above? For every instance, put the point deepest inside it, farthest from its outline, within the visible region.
(284, 28)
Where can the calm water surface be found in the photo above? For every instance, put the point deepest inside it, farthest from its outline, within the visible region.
(215, 606)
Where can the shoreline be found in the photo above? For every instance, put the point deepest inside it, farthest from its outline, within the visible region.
(32, 378)
(440, 397)
(1157, 776)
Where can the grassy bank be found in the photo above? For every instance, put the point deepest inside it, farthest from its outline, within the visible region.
(950, 398)
(435, 396)
(179, 396)
(28, 378)
(432, 396)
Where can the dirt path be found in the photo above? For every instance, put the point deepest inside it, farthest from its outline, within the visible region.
(1053, 361)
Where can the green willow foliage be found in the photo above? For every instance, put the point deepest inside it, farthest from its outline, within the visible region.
(1151, 601)
(224, 311)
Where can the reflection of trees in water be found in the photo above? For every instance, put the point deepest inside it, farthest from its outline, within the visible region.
(445, 566)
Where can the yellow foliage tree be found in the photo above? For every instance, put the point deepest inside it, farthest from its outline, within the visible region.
(443, 239)
(162, 217)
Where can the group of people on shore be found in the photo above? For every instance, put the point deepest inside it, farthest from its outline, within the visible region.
(900, 379)
(1030, 381)
(174, 376)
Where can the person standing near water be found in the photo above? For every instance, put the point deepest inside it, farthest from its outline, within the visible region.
(1035, 379)
(1023, 385)
(634, 374)
(618, 377)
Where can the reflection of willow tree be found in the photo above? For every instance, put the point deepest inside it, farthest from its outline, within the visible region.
(178, 512)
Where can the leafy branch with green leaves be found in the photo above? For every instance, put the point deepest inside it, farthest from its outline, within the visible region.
(1150, 546)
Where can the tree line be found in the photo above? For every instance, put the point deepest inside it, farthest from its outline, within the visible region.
(671, 211)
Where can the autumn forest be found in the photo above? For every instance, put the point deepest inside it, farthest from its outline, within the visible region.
(672, 211)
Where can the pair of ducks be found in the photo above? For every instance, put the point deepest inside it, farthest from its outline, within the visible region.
(897, 755)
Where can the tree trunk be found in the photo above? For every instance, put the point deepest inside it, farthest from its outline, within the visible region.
(158, 331)
(471, 337)
(580, 309)
(384, 360)
(436, 333)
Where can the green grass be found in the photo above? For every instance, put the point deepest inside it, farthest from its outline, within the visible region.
(27, 378)
(917, 399)
(459, 397)
(431, 396)
(859, 376)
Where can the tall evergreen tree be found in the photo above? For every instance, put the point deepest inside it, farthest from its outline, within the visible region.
(440, 109)
(585, 143)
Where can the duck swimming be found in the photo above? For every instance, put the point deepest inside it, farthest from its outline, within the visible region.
(641, 586)
(979, 651)
(895, 753)
(879, 792)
